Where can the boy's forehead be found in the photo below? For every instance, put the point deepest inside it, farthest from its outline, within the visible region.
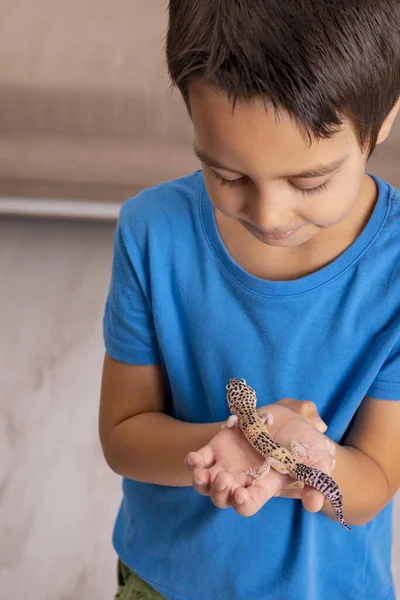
(253, 133)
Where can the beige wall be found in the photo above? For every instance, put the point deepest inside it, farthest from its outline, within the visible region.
(85, 107)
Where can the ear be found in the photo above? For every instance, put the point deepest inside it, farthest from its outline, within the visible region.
(388, 124)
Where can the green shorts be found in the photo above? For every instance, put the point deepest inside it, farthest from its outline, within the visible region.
(131, 587)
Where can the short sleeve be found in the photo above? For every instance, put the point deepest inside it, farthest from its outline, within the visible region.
(387, 383)
(128, 324)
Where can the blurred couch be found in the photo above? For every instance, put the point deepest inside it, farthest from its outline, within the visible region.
(85, 106)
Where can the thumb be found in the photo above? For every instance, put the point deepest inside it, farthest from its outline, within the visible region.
(306, 409)
(247, 501)
(309, 412)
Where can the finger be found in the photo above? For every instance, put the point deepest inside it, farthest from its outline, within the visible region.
(294, 485)
(294, 494)
(306, 409)
(331, 446)
(309, 411)
(221, 490)
(202, 481)
(292, 490)
(313, 500)
(248, 501)
(203, 458)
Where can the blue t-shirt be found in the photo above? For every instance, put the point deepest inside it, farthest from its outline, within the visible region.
(178, 298)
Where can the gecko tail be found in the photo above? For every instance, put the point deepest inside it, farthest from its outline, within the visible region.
(326, 485)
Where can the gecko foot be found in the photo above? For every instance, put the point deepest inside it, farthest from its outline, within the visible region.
(299, 449)
(256, 475)
(267, 418)
(252, 472)
(231, 422)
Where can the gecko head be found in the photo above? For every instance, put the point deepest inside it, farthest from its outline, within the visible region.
(240, 396)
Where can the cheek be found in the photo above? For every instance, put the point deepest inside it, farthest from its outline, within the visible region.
(342, 196)
(333, 210)
(335, 206)
(222, 197)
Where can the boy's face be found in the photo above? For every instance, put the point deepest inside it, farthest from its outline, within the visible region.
(262, 173)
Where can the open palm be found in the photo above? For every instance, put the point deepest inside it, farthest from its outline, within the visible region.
(218, 468)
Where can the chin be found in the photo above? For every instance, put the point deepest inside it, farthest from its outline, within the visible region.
(284, 243)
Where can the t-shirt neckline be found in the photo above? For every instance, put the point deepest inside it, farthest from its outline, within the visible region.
(313, 280)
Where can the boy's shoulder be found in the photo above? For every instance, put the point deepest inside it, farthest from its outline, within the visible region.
(169, 200)
(392, 193)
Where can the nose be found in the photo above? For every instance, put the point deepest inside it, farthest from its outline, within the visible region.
(269, 212)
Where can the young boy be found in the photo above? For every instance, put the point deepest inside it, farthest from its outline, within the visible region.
(278, 263)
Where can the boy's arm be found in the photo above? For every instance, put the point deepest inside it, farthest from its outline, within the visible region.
(139, 441)
(368, 465)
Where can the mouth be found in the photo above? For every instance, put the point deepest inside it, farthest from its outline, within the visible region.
(278, 236)
(271, 235)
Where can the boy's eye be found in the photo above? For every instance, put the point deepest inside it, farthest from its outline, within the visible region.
(314, 190)
(242, 180)
(230, 182)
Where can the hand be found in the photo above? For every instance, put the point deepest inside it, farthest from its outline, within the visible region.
(308, 410)
(218, 467)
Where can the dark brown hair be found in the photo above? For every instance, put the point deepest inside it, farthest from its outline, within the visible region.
(320, 60)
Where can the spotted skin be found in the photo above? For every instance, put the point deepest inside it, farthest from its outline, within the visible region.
(242, 402)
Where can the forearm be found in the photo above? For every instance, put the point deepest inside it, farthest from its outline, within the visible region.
(363, 485)
(151, 448)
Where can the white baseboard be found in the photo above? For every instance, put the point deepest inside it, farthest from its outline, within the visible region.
(60, 209)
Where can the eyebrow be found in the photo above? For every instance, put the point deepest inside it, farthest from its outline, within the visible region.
(318, 171)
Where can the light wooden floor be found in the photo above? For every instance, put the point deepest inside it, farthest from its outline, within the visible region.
(58, 499)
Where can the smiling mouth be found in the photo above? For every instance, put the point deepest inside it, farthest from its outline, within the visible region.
(271, 235)
(278, 236)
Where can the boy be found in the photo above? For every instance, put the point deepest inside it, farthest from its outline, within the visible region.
(277, 263)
